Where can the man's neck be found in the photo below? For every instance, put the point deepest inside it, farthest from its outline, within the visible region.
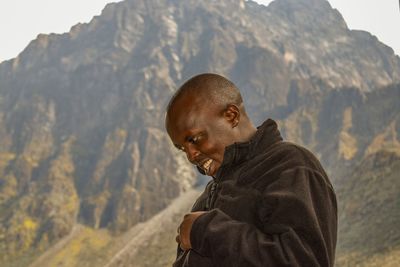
(247, 131)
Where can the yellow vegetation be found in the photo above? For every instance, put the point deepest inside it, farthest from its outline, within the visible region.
(388, 258)
(115, 142)
(34, 163)
(347, 143)
(29, 224)
(87, 241)
(73, 203)
(391, 258)
(27, 229)
(293, 127)
(65, 157)
(347, 146)
(63, 165)
(388, 141)
(8, 188)
(122, 133)
(6, 157)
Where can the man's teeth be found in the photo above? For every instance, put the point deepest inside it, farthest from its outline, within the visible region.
(206, 165)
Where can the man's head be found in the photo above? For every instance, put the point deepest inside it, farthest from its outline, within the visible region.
(204, 116)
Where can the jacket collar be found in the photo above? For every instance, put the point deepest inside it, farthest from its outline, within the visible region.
(266, 135)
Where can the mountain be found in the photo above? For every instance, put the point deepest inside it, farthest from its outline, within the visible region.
(370, 213)
(344, 125)
(84, 157)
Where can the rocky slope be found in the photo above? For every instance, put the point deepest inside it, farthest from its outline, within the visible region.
(370, 213)
(344, 125)
(151, 243)
(81, 113)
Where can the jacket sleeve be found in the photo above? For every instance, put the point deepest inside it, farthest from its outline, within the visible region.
(191, 257)
(180, 257)
(298, 225)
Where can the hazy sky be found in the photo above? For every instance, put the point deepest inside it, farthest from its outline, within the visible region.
(22, 20)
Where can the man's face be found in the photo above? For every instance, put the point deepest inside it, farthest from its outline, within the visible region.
(201, 131)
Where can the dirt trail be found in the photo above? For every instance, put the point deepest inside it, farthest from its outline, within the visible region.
(135, 242)
(140, 234)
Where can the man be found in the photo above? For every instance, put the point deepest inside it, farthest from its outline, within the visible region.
(270, 203)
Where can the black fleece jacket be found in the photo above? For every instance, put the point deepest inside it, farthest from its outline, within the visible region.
(270, 204)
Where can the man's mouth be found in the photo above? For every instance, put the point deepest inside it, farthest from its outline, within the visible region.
(206, 166)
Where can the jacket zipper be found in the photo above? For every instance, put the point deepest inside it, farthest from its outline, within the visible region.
(211, 195)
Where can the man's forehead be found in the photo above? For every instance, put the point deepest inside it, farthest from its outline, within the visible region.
(188, 103)
(182, 117)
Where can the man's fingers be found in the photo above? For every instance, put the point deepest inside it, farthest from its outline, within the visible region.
(185, 228)
(181, 245)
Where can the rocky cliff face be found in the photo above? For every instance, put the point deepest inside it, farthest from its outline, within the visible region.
(344, 125)
(81, 113)
(369, 212)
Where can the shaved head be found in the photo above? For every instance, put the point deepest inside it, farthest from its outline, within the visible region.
(209, 87)
(205, 116)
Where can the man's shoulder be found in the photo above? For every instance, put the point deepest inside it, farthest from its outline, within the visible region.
(297, 150)
(284, 155)
(302, 158)
(289, 151)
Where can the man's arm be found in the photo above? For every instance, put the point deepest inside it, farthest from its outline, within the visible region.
(184, 257)
(299, 221)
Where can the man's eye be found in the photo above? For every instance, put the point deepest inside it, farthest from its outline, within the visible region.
(193, 140)
(180, 148)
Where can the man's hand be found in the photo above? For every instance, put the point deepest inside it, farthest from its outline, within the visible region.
(183, 237)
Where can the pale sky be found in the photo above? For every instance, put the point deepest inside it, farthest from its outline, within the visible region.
(22, 20)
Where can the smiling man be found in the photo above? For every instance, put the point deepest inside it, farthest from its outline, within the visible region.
(270, 203)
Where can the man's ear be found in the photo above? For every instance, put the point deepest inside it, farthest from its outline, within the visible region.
(232, 114)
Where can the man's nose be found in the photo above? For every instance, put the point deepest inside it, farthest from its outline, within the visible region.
(191, 153)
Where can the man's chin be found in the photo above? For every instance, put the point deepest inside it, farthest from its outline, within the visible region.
(201, 171)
